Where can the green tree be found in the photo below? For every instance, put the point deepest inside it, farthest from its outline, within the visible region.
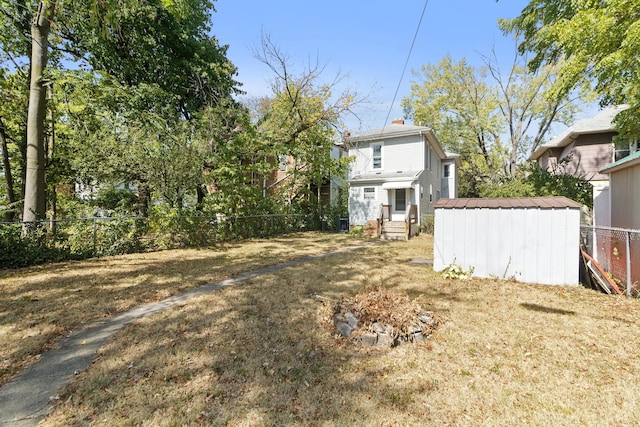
(235, 161)
(534, 181)
(301, 120)
(454, 99)
(153, 48)
(12, 148)
(493, 119)
(594, 41)
(34, 192)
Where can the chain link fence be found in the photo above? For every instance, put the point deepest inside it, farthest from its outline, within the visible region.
(55, 240)
(617, 250)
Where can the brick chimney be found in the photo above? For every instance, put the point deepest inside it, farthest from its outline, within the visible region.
(397, 121)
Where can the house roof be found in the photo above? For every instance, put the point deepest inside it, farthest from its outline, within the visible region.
(508, 203)
(396, 130)
(601, 122)
(385, 176)
(623, 163)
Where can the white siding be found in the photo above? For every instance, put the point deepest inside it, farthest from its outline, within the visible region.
(397, 154)
(361, 210)
(530, 245)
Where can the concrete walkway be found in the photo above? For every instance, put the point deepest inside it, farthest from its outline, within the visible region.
(25, 400)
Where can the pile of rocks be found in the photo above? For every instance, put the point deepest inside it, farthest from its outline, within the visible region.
(380, 335)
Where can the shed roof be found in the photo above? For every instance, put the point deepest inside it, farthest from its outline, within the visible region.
(558, 202)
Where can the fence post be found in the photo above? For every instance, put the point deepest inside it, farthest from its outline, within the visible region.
(628, 249)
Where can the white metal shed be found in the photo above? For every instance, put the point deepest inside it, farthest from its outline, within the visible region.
(531, 240)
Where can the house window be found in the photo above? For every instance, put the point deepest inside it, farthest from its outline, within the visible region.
(428, 157)
(369, 193)
(447, 172)
(377, 156)
(430, 193)
(282, 162)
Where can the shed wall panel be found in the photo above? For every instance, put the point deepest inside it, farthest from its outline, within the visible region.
(531, 245)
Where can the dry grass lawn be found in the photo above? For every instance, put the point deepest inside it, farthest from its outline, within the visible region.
(40, 305)
(264, 353)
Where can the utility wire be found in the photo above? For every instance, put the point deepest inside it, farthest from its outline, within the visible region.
(404, 69)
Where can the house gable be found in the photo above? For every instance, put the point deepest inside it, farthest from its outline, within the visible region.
(587, 144)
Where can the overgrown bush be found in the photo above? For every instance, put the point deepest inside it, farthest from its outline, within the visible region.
(84, 238)
(36, 248)
(537, 182)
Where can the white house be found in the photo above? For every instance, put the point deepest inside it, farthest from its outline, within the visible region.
(398, 170)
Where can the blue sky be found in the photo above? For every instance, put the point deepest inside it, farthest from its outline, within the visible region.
(367, 40)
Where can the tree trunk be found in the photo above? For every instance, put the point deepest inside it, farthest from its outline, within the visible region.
(201, 194)
(53, 197)
(34, 197)
(144, 196)
(8, 178)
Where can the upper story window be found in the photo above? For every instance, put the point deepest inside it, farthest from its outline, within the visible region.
(624, 147)
(376, 156)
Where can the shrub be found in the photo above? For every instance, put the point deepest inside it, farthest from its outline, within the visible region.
(454, 271)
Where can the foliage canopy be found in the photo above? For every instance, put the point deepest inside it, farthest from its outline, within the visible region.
(595, 41)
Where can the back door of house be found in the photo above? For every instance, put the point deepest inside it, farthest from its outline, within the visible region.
(399, 202)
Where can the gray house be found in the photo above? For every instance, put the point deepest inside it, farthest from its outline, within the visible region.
(398, 173)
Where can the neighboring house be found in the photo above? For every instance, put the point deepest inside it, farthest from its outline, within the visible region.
(618, 252)
(587, 145)
(396, 169)
(624, 192)
(328, 191)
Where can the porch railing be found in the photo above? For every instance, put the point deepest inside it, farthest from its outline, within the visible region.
(410, 219)
(384, 214)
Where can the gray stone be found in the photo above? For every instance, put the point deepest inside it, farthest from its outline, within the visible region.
(344, 329)
(351, 319)
(369, 340)
(384, 341)
(426, 318)
(414, 328)
(379, 329)
(338, 317)
(417, 337)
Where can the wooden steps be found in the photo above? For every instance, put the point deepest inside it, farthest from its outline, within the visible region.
(394, 230)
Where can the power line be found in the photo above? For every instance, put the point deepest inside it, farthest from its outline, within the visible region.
(404, 69)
